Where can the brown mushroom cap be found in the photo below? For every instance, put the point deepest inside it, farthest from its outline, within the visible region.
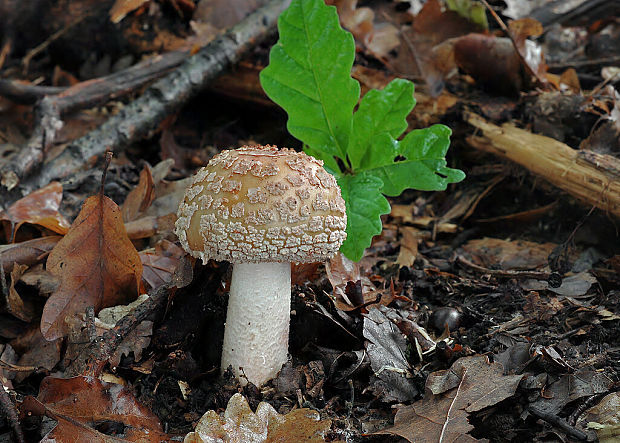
(260, 204)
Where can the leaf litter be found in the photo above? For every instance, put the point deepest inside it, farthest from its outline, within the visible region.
(412, 327)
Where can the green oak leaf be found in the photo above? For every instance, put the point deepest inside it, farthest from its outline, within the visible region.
(365, 205)
(380, 111)
(309, 75)
(417, 161)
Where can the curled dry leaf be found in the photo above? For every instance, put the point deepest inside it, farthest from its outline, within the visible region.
(570, 388)
(240, 424)
(39, 208)
(123, 7)
(159, 263)
(141, 197)
(351, 289)
(531, 52)
(14, 303)
(408, 245)
(81, 403)
(96, 263)
(26, 253)
(386, 347)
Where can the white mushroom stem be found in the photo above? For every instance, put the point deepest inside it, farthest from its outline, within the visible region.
(257, 322)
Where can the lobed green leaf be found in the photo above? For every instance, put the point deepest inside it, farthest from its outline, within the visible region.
(380, 111)
(309, 75)
(365, 205)
(418, 161)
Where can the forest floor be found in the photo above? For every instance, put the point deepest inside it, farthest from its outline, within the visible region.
(486, 312)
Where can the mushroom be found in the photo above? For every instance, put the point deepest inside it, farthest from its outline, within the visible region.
(261, 209)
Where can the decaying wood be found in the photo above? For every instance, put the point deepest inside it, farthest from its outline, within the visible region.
(164, 97)
(588, 176)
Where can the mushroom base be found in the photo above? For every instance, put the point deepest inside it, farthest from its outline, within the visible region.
(257, 323)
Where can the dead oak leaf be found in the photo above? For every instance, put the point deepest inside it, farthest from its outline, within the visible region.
(79, 404)
(240, 424)
(123, 7)
(160, 263)
(96, 263)
(38, 208)
(26, 253)
(470, 385)
(141, 197)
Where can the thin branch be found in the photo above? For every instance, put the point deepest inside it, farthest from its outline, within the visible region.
(161, 99)
(56, 102)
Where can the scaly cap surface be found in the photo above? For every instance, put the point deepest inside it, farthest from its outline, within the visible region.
(260, 204)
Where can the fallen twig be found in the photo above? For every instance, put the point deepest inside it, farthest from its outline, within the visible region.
(93, 358)
(57, 102)
(161, 99)
(540, 275)
(559, 423)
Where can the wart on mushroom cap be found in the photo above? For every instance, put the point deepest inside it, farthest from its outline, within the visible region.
(257, 204)
(257, 207)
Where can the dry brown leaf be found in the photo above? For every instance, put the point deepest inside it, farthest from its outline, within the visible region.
(14, 304)
(81, 403)
(351, 289)
(41, 279)
(96, 263)
(168, 194)
(531, 52)
(403, 212)
(39, 208)
(470, 385)
(136, 341)
(35, 351)
(378, 38)
(509, 255)
(605, 418)
(159, 263)
(121, 8)
(140, 197)
(146, 227)
(408, 245)
(26, 253)
(240, 424)
(422, 52)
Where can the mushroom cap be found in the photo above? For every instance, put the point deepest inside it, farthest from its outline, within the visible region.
(260, 204)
